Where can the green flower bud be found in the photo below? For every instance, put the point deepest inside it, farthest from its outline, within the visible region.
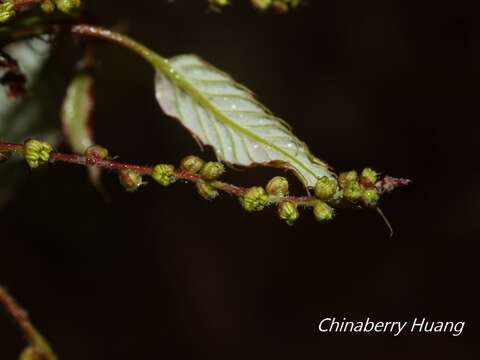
(370, 198)
(353, 191)
(36, 152)
(130, 180)
(288, 211)
(47, 6)
(206, 190)
(212, 170)
(95, 153)
(278, 186)
(262, 4)
(192, 164)
(347, 177)
(254, 199)
(325, 188)
(164, 174)
(368, 178)
(7, 10)
(68, 6)
(323, 212)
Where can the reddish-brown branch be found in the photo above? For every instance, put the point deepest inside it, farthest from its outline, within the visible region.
(106, 164)
(386, 184)
(7, 147)
(37, 344)
(112, 165)
(18, 314)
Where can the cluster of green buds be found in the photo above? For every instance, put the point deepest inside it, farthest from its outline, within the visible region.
(360, 189)
(209, 172)
(326, 190)
(67, 6)
(257, 198)
(278, 189)
(70, 7)
(349, 188)
(277, 192)
(280, 6)
(164, 174)
(7, 10)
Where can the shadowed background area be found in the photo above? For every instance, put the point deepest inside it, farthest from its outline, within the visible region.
(392, 85)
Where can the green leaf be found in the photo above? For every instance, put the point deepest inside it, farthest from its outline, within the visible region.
(76, 112)
(15, 118)
(76, 116)
(225, 115)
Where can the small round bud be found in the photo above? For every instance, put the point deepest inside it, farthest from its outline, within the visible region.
(323, 212)
(4, 157)
(68, 6)
(47, 6)
(7, 11)
(288, 211)
(212, 170)
(207, 191)
(164, 174)
(192, 164)
(347, 177)
(262, 4)
(254, 199)
(353, 191)
(325, 188)
(95, 153)
(368, 178)
(130, 180)
(278, 186)
(36, 152)
(370, 198)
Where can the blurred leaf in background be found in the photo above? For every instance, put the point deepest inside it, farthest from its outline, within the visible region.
(33, 115)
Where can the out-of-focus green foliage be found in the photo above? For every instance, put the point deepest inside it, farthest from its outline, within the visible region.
(33, 115)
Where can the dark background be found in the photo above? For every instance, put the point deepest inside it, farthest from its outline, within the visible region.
(162, 273)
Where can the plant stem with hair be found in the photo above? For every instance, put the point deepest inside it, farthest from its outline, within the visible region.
(38, 347)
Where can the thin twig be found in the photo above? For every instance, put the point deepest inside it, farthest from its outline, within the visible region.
(37, 343)
(113, 165)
